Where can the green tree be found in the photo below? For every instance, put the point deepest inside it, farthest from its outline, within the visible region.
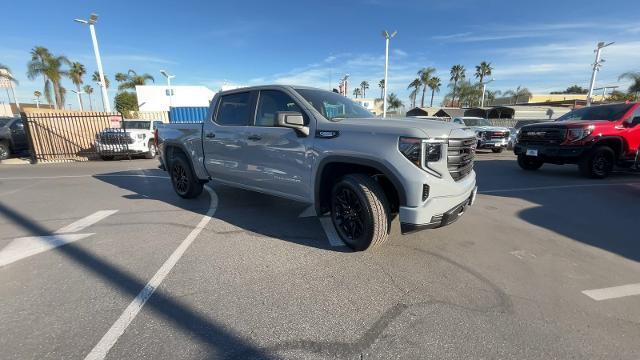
(634, 88)
(50, 67)
(96, 78)
(89, 90)
(381, 86)
(424, 75)
(468, 93)
(40, 54)
(518, 93)
(482, 70)
(415, 85)
(76, 72)
(617, 96)
(5, 73)
(393, 102)
(364, 86)
(457, 73)
(126, 103)
(131, 79)
(434, 84)
(357, 92)
(574, 89)
(491, 96)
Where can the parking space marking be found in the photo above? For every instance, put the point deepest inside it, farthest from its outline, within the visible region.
(86, 222)
(117, 329)
(330, 231)
(556, 187)
(613, 292)
(24, 247)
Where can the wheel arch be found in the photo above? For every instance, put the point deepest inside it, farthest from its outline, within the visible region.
(617, 144)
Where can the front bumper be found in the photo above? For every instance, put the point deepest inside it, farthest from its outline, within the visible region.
(552, 153)
(438, 211)
(493, 143)
(135, 148)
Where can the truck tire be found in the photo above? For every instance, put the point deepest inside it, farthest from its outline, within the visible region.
(597, 163)
(4, 150)
(360, 211)
(184, 182)
(497, 150)
(151, 154)
(529, 163)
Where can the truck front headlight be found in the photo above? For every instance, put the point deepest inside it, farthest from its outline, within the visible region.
(142, 136)
(422, 152)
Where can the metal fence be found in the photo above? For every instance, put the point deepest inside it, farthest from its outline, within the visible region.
(73, 136)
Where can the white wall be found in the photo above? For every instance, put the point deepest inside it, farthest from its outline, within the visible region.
(154, 97)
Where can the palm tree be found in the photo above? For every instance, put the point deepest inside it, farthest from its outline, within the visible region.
(131, 79)
(482, 70)
(434, 84)
(635, 82)
(357, 92)
(89, 90)
(40, 54)
(381, 86)
(393, 102)
(364, 86)
(518, 93)
(415, 85)
(457, 74)
(425, 74)
(51, 69)
(491, 96)
(5, 73)
(76, 72)
(96, 78)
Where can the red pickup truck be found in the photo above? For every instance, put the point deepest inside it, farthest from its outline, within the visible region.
(596, 138)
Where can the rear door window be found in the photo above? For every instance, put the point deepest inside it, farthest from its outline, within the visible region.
(235, 110)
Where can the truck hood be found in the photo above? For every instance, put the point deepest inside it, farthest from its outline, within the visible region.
(404, 127)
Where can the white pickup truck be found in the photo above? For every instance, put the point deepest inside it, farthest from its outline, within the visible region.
(133, 137)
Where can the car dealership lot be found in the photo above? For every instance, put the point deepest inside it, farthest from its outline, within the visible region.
(84, 245)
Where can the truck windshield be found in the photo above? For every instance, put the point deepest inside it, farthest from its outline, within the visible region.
(476, 122)
(334, 106)
(602, 112)
(141, 125)
(4, 121)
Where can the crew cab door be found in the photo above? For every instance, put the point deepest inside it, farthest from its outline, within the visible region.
(633, 133)
(276, 157)
(18, 135)
(224, 137)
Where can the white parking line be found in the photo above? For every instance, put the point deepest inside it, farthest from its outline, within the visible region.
(24, 247)
(86, 222)
(330, 231)
(555, 187)
(613, 292)
(117, 329)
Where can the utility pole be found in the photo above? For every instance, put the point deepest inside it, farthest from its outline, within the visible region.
(596, 67)
(387, 37)
(484, 89)
(103, 85)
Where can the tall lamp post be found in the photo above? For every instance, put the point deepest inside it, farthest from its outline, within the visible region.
(169, 90)
(387, 37)
(78, 97)
(596, 67)
(484, 90)
(105, 96)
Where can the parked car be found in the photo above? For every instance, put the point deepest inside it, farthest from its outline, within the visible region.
(134, 137)
(491, 137)
(13, 138)
(513, 137)
(596, 138)
(321, 148)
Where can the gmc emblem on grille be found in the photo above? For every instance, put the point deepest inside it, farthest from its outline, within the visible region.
(536, 133)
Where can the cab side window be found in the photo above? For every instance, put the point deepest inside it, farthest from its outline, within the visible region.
(17, 126)
(234, 110)
(270, 102)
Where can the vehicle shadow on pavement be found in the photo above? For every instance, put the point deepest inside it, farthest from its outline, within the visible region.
(213, 335)
(600, 213)
(256, 214)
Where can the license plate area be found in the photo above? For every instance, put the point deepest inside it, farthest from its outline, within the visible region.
(532, 152)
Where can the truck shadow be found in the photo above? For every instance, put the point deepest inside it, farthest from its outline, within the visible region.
(256, 214)
(599, 213)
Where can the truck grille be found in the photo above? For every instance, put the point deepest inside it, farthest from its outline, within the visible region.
(115, 138)
(542, 135)
(460, 155)
(490, 135)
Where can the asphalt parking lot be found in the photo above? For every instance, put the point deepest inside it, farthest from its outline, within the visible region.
(103, 260)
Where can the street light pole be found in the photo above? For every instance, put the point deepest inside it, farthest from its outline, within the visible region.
(387, 37)
(484, 89)
(596, 67)
(169, 77)
(78, 98)
(103, 85)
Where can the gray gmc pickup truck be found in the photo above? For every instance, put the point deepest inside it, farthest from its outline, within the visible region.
(321, 148)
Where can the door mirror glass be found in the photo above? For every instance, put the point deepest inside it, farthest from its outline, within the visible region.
(292, 120)
(635, 121)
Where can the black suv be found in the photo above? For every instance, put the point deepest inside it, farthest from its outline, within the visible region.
(13, 138)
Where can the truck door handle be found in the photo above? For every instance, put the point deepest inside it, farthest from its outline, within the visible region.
(210, 135)
(254, 137)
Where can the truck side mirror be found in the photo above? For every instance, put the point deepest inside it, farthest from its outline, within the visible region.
(293, 120)
(635, 121)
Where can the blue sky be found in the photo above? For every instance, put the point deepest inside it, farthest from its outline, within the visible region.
(543, 45)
